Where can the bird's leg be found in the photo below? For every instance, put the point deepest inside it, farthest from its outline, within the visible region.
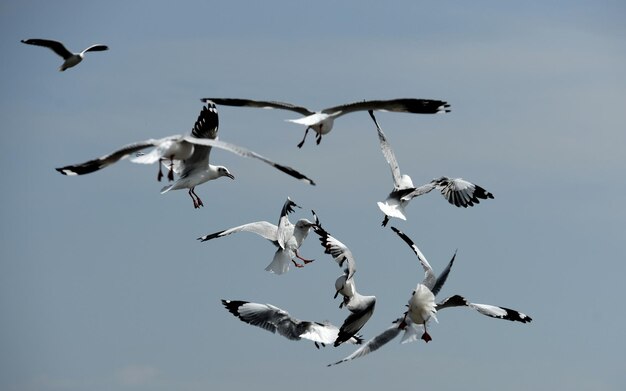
(297, 264)
(304, 138)
(318, 138)
(303, 259)
(160, 174)
(170, 174)
(426, 337)
(195, 203)
(198, 201)
(385, 221)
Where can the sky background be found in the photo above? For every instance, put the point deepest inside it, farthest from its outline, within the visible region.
(103, 285)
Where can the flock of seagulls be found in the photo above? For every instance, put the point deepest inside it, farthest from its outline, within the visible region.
(186, 160)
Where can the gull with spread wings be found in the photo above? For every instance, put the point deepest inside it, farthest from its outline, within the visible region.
(457, 191)
(286, 236)
(69, 59)
(276, 320)
(188, 156)
(322, 121)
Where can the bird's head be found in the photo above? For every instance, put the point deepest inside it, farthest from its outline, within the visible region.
(223, 171)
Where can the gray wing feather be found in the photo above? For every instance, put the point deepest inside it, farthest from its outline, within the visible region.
(241, 151)
(263, 104)
(55, 46)
(106, 160)
(405, 105)
(443, 276)
(373, 344)
(387, 153)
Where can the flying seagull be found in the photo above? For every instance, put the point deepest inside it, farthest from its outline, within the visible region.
(422, 307)
(286, 236)
(423, 297)
(322, 121)
(70, 59)
(188, 156)
(361, 307)
(274, 319)
(457, 191)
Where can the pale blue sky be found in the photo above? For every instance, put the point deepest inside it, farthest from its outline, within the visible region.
(104, 287)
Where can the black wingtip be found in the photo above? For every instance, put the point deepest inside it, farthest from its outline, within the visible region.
(233, 305)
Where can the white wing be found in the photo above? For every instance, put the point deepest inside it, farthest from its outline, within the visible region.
(485, 309)
(429, 276)
(261, 228)
(241, 151)
(388, 154)
(106, 160)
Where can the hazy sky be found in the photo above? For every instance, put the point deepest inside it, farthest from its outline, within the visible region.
(103, 285)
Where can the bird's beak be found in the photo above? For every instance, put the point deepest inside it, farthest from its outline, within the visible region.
(231, 176)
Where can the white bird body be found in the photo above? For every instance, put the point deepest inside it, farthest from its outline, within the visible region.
(422, 305)
(70, 59)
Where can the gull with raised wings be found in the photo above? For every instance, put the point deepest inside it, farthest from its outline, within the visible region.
(457, 191)
(286, 236)
(188, 156)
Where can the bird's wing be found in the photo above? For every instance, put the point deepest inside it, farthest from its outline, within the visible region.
(263, 104)
(96, 48)
(339, 251)
(460, 192)
(429, 275)
(56, 46)
(241, 151)
(374, 343)
(387, 153)
(106, 160)
(406, 105)
(356, 320)
(206, 127)
(261, 228)
(264, 316)
(418, 191)
(285, 228)
(485, 309)
(443, 276)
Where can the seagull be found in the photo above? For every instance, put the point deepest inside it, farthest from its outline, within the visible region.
(188, 155)
(322, 121)
(457, 191)
(422, 308)
(361, 307)
(274, 319)
(286, 236)
(70, 59)
(421, 304)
